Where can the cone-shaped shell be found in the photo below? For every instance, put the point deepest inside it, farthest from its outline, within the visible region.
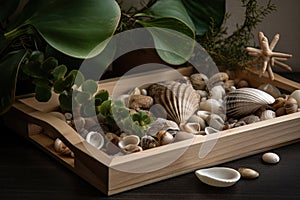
(180, 100)
(245, 101)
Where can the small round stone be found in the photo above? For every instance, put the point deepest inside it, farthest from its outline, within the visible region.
(248, 173)
(271, 158)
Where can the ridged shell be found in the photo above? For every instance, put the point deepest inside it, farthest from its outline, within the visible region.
(180, 100)
(245, 101)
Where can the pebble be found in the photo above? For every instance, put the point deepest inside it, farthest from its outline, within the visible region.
(271, 158)
(248, 173)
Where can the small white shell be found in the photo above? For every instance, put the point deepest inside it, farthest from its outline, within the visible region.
(164, 137)
(296, 95)
(271, 158)
(129, 140)
(217, 92)
(95, 139)
(267, 114)
(218, 176)
(191, 127)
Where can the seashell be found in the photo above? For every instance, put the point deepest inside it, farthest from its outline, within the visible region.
(291, 105)
(270, 89)
(95, 139)
(161, 124)
(113, 138)
(248, 173)
(217, 79)
(250, 119)
(215, 121)
(129, 139)
(191, 127)
(202, 93)
(245, 101)
(61, 148)
(140, 101)
(203, 114)
(135, 91)
(217, 92)
(242, 84)
(210, 130)
(296, 95)
(144, 92)
(239, 123)
(197, 119)
(68, 116)
(279, 102)
(267, 114)
(179, 100)
(182, 135)
(280, 111)
(218, 176)
(271, 158)
(148, 142)
(198, 81)
(132, 148)
(212, 105)
(164, 137)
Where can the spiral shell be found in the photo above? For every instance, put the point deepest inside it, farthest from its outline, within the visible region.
(291, 105)
(267, 114)
(180, 100)
(245, 101)
(148, 142)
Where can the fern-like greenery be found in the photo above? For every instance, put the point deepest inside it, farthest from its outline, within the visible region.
(229, 51)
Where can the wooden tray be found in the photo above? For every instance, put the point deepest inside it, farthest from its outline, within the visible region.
(114, 174)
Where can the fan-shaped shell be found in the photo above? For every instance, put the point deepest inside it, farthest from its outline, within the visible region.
(180, 100)
(245, 101)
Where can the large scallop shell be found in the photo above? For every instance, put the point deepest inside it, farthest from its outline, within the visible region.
(245, 101)
(180, 100)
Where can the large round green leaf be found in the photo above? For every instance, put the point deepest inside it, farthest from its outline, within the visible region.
(77, 27)
(202, 12)
(170, 22)
(172, 46)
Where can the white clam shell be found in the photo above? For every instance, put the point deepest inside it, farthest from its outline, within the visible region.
(191, 127)
(161, 124)
(267, 114)
(245, 101)
(296, 95)
(271, 158)
(129, 140)
(218, 176)
(180, 100)
(95, 139)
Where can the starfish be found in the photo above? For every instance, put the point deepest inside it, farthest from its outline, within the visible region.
(266, 57)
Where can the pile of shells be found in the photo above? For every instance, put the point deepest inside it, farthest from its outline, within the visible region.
(183, 108)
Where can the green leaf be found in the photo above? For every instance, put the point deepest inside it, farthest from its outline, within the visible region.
(65, 101)
(49, 64)
(59, 72)
(203, 11)
(105, 108)
(169, 9)
(79, 78)
(102, 94)
(43, 93)
(9, 67)
(175, 53)
(37, 56)
(82, 97)
(41, 82)
(77, 28)
(90, 86)
(168, 19)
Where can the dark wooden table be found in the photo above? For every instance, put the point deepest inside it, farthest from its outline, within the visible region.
(28, 173)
